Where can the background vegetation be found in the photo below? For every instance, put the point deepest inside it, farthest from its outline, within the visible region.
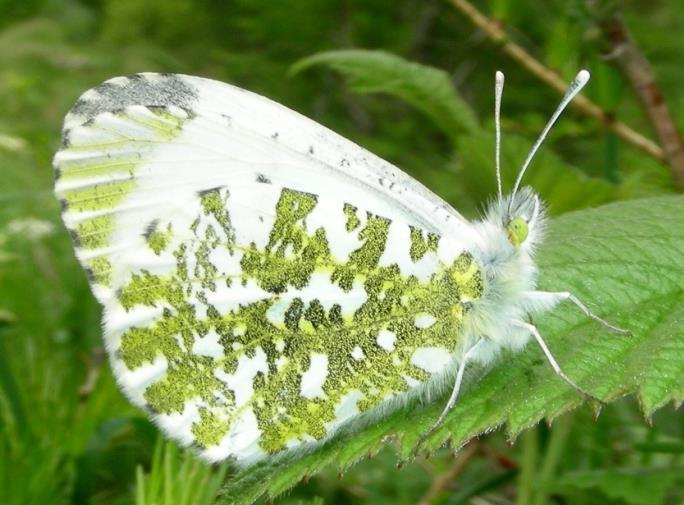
(68, 436)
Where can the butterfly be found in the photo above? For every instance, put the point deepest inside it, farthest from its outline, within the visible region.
(266, 282)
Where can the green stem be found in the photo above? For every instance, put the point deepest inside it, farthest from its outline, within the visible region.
(10, 389)
(554, 451)
(528, 466)
(140, 486)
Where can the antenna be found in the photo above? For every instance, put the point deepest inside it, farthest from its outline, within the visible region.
(498, 92)
(575, 87)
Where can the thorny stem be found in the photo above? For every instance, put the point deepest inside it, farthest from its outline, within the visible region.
(623, 51)
(581, 103)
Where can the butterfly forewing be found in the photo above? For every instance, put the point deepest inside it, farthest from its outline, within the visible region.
(257, 294)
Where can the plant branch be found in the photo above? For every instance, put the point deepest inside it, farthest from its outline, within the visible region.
(95, 362)
(623, 51)
(581, 103)
(442, 481)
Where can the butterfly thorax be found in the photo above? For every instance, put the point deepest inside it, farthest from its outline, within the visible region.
(504, 248)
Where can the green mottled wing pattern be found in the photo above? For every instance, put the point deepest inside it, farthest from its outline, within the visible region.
(248, 307)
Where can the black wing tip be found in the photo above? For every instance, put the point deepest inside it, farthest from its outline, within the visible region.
(147, 89)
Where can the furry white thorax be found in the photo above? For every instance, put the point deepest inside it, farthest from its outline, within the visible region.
(509, 273)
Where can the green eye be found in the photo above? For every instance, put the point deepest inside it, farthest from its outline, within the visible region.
(517, 231)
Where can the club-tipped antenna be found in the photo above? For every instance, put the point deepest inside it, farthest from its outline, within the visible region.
(498, 92)
(575, 87)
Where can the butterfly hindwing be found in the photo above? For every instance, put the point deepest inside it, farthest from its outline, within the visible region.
(258, 294)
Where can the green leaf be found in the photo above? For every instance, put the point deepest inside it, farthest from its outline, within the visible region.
(178, 478)
(428, 89)
(561, 186)
(661, 447)
(6, 317)
(636, 486)
(625, 261)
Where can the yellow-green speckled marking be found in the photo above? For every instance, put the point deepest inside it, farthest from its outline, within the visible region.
(249, 305)
(355, 360)
(96, 184)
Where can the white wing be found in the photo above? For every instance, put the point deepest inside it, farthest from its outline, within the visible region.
(261, 135)
(249, 259)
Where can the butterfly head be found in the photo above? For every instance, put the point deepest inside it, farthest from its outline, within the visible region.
(517, 230)
(521, 217)
(521, 214)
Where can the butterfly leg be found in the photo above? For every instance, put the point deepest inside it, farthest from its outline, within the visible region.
(454, 394)
(551, 299)
(532, 329)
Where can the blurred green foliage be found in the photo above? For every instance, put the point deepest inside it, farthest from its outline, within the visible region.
(68, 436)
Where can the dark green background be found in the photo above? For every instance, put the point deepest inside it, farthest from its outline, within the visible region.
(61, 445)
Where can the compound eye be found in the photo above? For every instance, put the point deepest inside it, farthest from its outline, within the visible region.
(517, 231)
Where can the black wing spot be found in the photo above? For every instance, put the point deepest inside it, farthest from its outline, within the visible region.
(151, 228)
(118, 293)
(150, 409)
(75, 238)
(90, 275)
(165, 108)
(275, 135)
(311, 149)
(205, 192)
(263, 179)
(66, 140)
